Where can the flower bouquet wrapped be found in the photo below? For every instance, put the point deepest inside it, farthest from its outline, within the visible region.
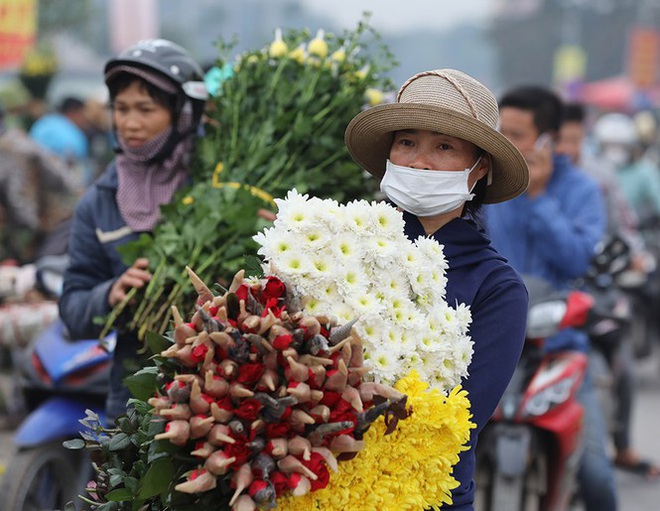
(290, 390)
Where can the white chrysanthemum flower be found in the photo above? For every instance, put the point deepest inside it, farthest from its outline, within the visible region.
(292, 263)
(322, 266)
(351, 280)
(395, 283)
(359, 217)
(385, 362)
(463, 314)
(380, 249)
(388, 220)
(365, 305)
(433, 250)
(343, 313)
(346, 247)
(274, 242)
(371, 331)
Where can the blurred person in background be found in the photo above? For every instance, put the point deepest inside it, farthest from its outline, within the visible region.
(37, 198)
(617, 142)
(99, 133)
(621, 217)
(551, 232)
(621, 221)
(157, 98)
(64, 133)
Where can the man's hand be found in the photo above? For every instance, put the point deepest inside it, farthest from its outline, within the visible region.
(539, 162)
(135, 276)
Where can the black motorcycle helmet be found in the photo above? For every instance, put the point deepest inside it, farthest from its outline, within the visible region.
(175, 64)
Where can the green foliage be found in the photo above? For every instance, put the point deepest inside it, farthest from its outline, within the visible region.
(275, 123)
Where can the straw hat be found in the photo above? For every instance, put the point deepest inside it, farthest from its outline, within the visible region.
(444, 101)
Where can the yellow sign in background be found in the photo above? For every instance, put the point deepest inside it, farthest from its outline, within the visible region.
(18, 27)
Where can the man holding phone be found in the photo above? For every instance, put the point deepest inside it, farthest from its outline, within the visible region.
(551, 232)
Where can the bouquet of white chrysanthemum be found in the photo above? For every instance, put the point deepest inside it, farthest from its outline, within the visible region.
(354, 262)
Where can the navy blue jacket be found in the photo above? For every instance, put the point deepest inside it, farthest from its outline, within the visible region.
(98, 230)
(479, 277)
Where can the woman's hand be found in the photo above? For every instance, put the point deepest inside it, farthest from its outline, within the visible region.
(135, 276)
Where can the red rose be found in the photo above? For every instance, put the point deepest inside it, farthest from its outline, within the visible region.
(330, 398)
(256, 486)
(272, 306)
(278, 430)
(225, 404)
(248, 410)
(238, 450)
(250, 373)
(242, 292)
(274, 288)
(199, 352)
(281, 342)
(280, 481)
(317, 465)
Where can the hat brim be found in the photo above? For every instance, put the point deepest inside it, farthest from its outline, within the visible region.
(369, 135)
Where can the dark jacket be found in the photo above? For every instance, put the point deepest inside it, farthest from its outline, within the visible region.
(98, 230)
(479, 277)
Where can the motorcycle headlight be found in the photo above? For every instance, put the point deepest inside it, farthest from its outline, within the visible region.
(549, 397)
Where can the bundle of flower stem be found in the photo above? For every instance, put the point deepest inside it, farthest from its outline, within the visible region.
(275, 123)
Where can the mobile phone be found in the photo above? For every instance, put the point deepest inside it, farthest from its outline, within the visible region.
(544, 140)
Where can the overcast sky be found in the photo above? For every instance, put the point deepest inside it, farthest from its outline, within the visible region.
(395, 15)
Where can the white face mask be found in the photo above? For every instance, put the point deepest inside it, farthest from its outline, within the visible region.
(426, 192)
(616, 155)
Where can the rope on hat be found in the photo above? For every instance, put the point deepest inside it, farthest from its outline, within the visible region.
(451, 80)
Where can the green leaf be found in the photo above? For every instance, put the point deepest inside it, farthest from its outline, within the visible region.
(157, 342)
(159, 475)
(252, 266)
(143, 384)
(120, 495)
(74, 444)
(120, 441)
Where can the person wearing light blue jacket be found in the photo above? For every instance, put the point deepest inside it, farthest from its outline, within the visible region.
(551, 232)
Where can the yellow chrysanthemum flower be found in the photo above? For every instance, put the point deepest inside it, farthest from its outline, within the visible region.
(278, 47)
(317, 46)
(410, 469)
(374, 96)
(298, 54)
(338, 55)
(188, 200)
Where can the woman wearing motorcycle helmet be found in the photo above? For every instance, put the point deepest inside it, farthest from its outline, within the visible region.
(157, 97)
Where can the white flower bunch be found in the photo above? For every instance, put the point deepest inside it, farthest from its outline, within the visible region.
(354, 261)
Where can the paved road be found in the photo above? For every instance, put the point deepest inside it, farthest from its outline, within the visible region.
(636, 494)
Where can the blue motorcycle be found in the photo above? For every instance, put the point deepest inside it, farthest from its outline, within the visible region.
(58, 379)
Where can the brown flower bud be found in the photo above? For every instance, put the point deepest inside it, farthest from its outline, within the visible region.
(178, 411)
(218, 463)
(240, 480)
(200, 426)
(290, 464)
(220, 435)
(199, 481)
(176, 431)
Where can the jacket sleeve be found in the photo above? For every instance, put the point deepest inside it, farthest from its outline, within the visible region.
(88, 279)
(566, 236)
(498, 333)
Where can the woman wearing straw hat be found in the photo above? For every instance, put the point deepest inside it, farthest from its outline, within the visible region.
(439, 156)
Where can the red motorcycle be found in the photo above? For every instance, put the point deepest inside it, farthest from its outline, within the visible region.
(528, 453)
